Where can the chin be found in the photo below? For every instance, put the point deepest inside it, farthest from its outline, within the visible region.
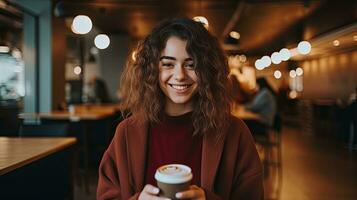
(179, 101)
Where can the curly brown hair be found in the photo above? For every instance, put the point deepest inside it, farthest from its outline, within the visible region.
(140, 88)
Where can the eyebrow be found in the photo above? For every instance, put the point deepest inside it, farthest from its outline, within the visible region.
(173, 58)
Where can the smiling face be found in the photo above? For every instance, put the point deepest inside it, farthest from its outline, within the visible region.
(177, 77)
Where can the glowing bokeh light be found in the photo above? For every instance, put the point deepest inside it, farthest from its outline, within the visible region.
(81, 24)
(277, 74)
(275, 58)
(101, 41)
(285, 54)
(304, 47)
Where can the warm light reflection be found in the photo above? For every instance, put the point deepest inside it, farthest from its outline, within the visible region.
(355, 38)
(133, 55)
(306, 66)
(293, 94)
(4, 49)
(202, 20)
(328, 61)
(314, 66)
(242, 58)
(77, 70)
(299, 71)
(292, 73)
(343, 60)
(233, 61)
(336, 43)
(235, 35)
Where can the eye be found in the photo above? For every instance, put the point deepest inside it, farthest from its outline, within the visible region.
(190, 65)
(167, 64)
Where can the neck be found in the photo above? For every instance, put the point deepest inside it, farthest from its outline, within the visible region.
(173, 109)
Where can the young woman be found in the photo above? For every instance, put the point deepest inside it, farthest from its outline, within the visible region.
(178, 97)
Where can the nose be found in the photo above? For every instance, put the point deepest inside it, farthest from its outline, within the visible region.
(179, 73)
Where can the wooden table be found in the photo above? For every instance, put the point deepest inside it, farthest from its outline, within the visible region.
(100, 107)
(85, 114)
(65, 115)
(36, 168)
(17, 152)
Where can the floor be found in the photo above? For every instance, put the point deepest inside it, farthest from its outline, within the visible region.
(79, 191)
(317, 169)
(313, 169)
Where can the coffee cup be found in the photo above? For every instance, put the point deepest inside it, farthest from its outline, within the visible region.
(173, 178)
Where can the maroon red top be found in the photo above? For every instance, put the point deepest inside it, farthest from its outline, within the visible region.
(172, 142)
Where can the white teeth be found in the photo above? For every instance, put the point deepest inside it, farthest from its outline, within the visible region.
(179, 87)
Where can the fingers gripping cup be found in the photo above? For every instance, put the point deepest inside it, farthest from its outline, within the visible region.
(173, 178)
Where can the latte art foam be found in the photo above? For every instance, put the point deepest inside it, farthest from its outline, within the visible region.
(173, 174)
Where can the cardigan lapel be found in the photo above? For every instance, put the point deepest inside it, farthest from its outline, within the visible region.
(137, 140)
(211, 155)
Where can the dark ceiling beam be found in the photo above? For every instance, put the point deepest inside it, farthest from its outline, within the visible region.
(233, 21)
(114, 5)
(290, 2)
(72, 8)
(278, 37)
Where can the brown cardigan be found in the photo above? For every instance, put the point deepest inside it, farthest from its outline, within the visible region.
(230, 167)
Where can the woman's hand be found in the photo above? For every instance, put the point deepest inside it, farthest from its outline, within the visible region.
(150, 193)
(194, 193)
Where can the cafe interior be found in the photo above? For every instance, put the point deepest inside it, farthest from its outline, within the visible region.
(60, 67)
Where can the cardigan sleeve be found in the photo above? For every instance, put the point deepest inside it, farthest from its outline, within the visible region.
(108, 180)
(248, 184)
(109, 186)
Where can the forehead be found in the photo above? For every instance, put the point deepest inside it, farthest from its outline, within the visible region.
(175, 47)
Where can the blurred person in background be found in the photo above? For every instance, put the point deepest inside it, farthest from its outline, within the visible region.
(264, 104)
(98, 91)
(178, 96)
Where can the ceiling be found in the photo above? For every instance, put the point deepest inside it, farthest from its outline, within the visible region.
(264, 25)
(340, 40)
(271, 25)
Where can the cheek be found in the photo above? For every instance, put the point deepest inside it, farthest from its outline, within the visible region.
(162, 79)
(194, 76)
(163, 76)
